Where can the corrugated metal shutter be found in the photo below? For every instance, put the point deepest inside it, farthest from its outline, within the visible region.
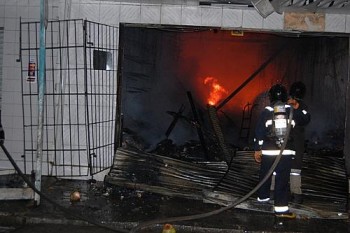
(1, 55)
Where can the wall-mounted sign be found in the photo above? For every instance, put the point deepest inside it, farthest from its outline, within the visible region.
(313, 22)
(31, 71)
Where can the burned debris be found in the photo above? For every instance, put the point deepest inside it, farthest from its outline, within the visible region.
(184, 171)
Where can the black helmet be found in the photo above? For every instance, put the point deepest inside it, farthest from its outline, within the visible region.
(297, 90)
(278, 93)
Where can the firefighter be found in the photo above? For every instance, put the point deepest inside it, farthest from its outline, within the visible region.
(296, 95)
(270, 134)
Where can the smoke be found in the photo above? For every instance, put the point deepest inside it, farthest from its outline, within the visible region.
(156, 81)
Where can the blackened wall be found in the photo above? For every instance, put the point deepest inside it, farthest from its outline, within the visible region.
(161, 65)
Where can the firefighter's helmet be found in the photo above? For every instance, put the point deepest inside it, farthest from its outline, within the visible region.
(297, 90)
(278, 93)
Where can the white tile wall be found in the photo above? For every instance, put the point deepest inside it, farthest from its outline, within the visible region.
(33, 2)
(191, 15)
(172, 2)
(347, 27)
(273, 22)
(150, 14)
(211, 16)
(335, 23)
(10, 59)
(9, 36)
(63, 7)
(10, 11)
(2, 13)
(23, 2)
(23, 12)
(90, 11)
(75, 11)
(54, 12)
(171, 14)
(190, 2)
(252, 19)
(11, 103)
(89, 2)
(232, 18)
(130, 13)
(10, 2)
(34, 13)
(11, 24)
(112, 13)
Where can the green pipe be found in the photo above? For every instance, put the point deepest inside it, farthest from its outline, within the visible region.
(41, 95)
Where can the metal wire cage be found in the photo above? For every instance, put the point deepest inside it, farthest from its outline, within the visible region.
(80, 96)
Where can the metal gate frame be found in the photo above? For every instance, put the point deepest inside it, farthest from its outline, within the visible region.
(80, 96)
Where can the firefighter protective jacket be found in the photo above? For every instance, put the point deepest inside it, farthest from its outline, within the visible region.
(264, 139)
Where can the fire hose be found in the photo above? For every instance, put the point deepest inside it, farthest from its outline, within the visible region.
(218, 211)
(156, 221)
(44, 196)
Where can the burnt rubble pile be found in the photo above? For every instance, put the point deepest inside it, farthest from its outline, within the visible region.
(175, 173)
(191, 150)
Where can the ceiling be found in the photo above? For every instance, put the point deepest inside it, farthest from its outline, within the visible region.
(266, 7)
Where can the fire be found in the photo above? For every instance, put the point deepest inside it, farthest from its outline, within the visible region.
(216, 91)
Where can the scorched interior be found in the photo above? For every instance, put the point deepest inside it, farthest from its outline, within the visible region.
(169, 141)
(161, 67)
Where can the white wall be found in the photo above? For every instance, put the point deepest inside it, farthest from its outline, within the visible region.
(112, 13)
(10, 13)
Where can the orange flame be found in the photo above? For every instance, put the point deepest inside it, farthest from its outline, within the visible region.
(216, 92)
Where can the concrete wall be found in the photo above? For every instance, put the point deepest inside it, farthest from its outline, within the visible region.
(167, 12)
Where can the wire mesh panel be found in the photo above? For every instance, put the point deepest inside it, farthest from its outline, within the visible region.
(101, 92)
(79, 105)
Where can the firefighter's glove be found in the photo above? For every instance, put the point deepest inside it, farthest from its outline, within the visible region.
(2, 135)
(294, 103)
(257, 156)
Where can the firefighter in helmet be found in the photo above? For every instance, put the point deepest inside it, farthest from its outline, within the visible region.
(270, 135)
(296, 95)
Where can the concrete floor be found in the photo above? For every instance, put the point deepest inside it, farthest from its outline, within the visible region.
(118, 208)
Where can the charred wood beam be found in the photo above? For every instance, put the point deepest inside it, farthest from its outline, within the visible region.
(218, 132)
(199, 129)
(176, 117)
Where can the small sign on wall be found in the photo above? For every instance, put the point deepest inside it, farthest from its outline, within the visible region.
(31, 78)
(314, 22)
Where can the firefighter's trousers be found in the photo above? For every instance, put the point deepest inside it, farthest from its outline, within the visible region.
(281, 189)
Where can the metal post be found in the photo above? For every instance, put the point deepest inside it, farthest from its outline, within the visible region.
(41, 93)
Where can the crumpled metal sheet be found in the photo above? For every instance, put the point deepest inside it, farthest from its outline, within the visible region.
(165, 175)
(324, 179)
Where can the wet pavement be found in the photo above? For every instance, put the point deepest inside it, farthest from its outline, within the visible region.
(121, 208)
